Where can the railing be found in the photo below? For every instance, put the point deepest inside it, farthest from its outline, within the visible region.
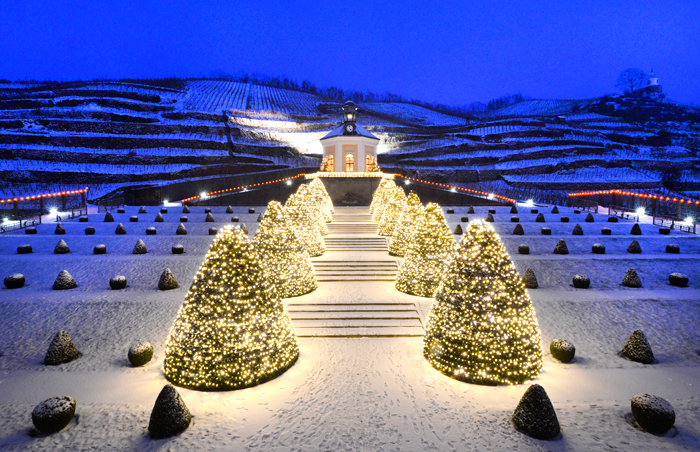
(106, 204)
(623, 213)
(20, 223)
(75, 212)
(674, 223)
(584, 204)
(456, 189)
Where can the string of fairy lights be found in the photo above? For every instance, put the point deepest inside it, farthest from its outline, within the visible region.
(481, 327)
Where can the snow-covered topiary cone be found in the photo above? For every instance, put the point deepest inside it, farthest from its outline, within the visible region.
(303, 220)
(395, 204)
(406, 225)
(429, 253)
(482, 327)
(232, 330)
(286, 263)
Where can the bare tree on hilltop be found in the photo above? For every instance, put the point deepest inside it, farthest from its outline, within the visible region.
(631, 80)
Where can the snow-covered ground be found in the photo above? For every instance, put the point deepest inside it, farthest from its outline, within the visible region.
(354, 394)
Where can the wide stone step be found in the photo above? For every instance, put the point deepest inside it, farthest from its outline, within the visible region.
(353, 315)
(325, 307)
(389, 331)
(357, 323)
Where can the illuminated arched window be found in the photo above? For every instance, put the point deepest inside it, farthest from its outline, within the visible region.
(349, 162)
(331, 162)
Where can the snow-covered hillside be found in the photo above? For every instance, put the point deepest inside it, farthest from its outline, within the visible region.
(79, 134)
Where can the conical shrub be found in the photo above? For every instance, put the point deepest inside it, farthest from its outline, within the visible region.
(303, 220)
(578, 230)
(482, 327)
(159, 218)
(377, 196)
(320, 195)
(427, 256)
(513, 209)
(631, 279)
(209, 218)
(406, 225)
(305, 193)
(518, 230)
(535, 415)
(555, 209)
(181, 229)
(232, 330)
(286, 263)
(382, 198)
(185, 209)
(395, 204)
(317, 184)
(529, 279)
(109, 218)
(229, 209)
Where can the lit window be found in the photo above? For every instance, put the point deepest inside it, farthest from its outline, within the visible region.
(349, 163)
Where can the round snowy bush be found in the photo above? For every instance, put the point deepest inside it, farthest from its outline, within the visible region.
(534, 211)
(581, 282)
(562, 350)
(672, 248)
(121, 210)
(234, 220)
(464, 219)
(652, 413)
(163, 210)
(664, 231)
(14, 281)
(597, 248)
(24, 249)
(83, 219)
(523, 249)
(546, 231)
(678, 279)
(492, 211)
(514, 219)
(213, 231)
(90, 231)
(118, 282)
(605, 231)
(612, 219)
(183, 219)
(100, 249)
(178, 249)
(53, 414)
(151, 231)
(140, 353)
(207, 210)
(30, 230)
(564, 219)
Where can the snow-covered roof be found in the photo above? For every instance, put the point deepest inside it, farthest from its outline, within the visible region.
(340, 131)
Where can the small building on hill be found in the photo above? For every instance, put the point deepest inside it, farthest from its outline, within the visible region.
(349, 147)
(651, 86)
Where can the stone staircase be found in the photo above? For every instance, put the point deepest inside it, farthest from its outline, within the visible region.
(366, 275)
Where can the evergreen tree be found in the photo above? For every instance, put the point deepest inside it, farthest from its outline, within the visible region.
(303, 218)
(410, 216)
(428, 254)
(318, 185)
(482, 327)
(232, 330)
(378, 193)
(382, 200)
(395, 204)
(372, 166)
(305, 193)
(321, 196)
(286, 262)
(326, 165)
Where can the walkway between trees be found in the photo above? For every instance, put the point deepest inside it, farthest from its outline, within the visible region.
(356, 295)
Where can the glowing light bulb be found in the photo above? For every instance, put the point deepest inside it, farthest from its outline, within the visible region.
(641, 211)
(203, 194)
(689, 220)
(529, 203)
(53, 211)
(491, 196)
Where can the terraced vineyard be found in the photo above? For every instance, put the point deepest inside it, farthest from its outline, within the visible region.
(108, 134)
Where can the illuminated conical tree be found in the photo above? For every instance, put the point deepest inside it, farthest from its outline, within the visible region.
(410, 216)
(286, 262)
(303, 219)
(305, 193)
(232, 330)
(428, 254)
(320, 196)
(383, 200)
(318, 184)
(482, 327)
(378, 193)
(395, 204)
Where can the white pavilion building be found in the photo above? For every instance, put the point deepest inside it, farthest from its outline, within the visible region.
(349, 147)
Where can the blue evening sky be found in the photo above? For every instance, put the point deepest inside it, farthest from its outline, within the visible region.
(453, 52)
